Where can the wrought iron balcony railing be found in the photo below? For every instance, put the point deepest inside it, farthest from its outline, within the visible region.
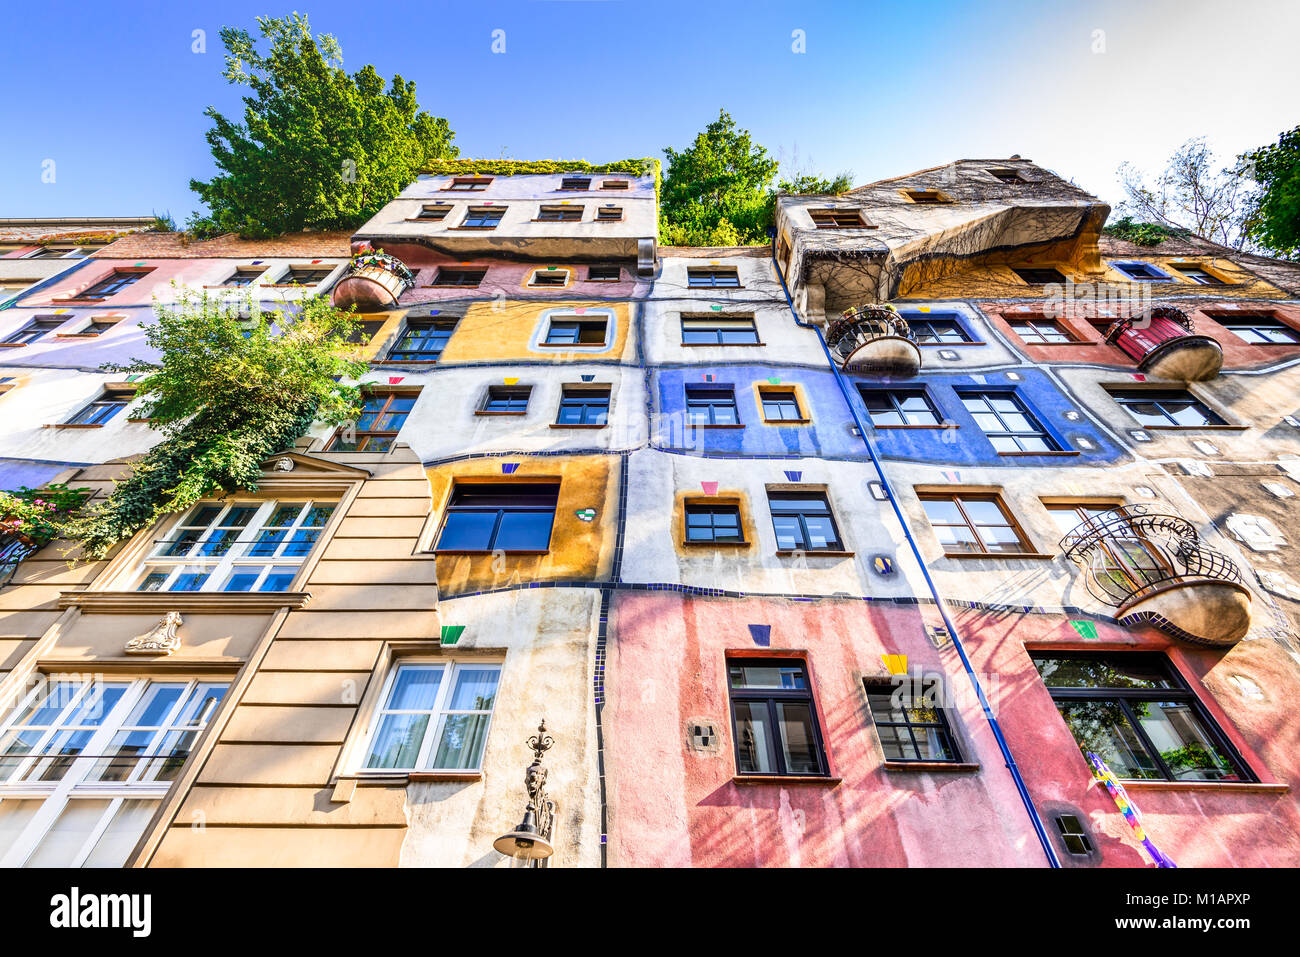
(1127, 554)
(13, 550)
(873, 338)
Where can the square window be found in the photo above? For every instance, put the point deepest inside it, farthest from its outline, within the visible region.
(573, 331)
(549, 278)
(1198, 274)
(713, 523)
(970, 523)
(1037, 332)
(434, 717)
(711, 406)
(382, 417)
(1142, 272)
(510, 517)
(1073, 835)
(583, 405)
(910, 720)
(422, 340)
(780, 405)
(712, 278)
(506, 399)
(609, 214)
(434, 212)
(896, 408)
(244, 276)
(803, 522)
(774, 718)
(932, 328)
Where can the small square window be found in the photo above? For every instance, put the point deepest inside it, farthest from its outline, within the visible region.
(803, 522)
(434, 717)
(896, 408)
(422, 340)
(711, 406)
(603, 273)
(382, 416)
(713, 523)
(483, 217)
(780, 405)
(506, 400)
(1007, 422)
(575, 183)
(1073, 835)
(1040, 276)
(911, 724)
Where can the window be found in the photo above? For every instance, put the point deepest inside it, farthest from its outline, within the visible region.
(434, 212)
(609, 214)
(506, 399)
(711, 405)
(1136, 713)
(244, 276)
(434, 717)
(1010, 426)
(382, 416)
(422, 340)
(927, 197)
(483, 217)
(365, 331)
(1127, 558)
(1040, 276)
(111, 286)
(895, 408)
(56, 252)
(559, 214)
(1165, 409)
(719, 331)
(549, 277)
(614, 184)
(100, 410)
(33, 330)
(1073, 835)
(1260, 330)
(829, 218)
(84, 763)
(604, 274)
(803, 522)
(713, 278)
(780, 405)
(1037, 332)
(973, 524)
(1142, 272)
(97, 327)
(10, 286)
(773, 718)
(935, 328)
(485, 518)
(1009, 176)
(575, 182)
(574, 331)
(306, 275)
(241, 546)
(583, 405)
(1198, 274)
(711, 523)
(469, 184)
(910, 725)
(459, 277)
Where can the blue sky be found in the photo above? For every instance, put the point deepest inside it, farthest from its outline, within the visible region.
(113, 93)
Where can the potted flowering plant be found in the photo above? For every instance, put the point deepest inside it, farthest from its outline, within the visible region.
(36, 516)
(374, 280)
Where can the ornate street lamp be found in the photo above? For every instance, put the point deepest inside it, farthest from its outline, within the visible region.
(531, 840)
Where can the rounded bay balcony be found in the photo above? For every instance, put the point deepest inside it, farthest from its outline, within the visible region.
(374, 282)
(1154, 570)
(1165, 344)
(874, 339)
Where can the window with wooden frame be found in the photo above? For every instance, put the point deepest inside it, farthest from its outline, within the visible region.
(712, 521)
(575, 183)
(780, 404)
(85, 763)
(462, 278)
(829, 217)
(376, 429)
(910, 720)
(615, 184)
(306, 275)
(803, 522)
(111, 285)
(583, 406)
(422, 340)
(1039, 275)
(927, 197)
(773, 718)
(1039, 331)
(506, 400)
(508, 517)
(1166, 408)
(33, 329)
(1199, 274)
(240, 546)
(609, 214)
(468, 184)
(482, 217)
(559, 214)
(974, 523)
(95, 326)
(1258, 329)
(244, 276)
(712, 277)
(604, 273)
(434, 212)
(1140, 716)
(1010, 177)
(573, 330)
(549, 278)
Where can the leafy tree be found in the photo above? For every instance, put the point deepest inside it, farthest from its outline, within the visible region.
(717, 190)
(227, 392)
(1190, 194)
(1274, 220)
(318, 148)
(807, 184)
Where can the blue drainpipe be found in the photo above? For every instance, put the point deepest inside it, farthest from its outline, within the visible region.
(1043, 839)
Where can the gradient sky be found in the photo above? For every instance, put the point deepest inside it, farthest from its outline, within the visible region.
(114, 95)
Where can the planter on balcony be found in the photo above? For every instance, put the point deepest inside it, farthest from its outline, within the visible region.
(374, 282)
(1166, 345)
(874, 339)
(1154, 570)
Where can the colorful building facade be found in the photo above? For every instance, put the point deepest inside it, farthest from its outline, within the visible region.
(844, 552)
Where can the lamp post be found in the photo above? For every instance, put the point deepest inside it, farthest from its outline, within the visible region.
(531, 839)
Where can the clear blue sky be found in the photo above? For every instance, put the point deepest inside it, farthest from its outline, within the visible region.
(113, 94)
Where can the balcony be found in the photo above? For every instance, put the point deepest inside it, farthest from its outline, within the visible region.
(374, 282)
(13, 549)
(874, 339)
(1155, 571)
(1167, 346)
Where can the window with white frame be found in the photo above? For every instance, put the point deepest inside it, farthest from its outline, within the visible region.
(237, 546)
(84, 764)
(433, 716)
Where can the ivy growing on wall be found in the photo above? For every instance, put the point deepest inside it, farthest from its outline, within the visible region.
(232, 386)
(647, 166)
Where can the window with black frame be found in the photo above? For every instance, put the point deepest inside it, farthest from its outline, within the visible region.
(1139, 716)
(803, 521)
(505, 517)
(710, 523)
(935, 328)
(910, 720)
(774, 721)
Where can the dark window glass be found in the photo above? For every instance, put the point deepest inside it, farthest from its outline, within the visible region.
(469, 184)
(609, 214)
(305, 276)
(583, 406)
(775, 724)
(485, 217)
(603, 273)
(1166, 408)
(973, 523)
(1010, 426)
(836, 218)
(560, 214)
(1041, 276)
(549, 277)
(508, 399)
(382, 416)
(423, 340)
(894, 407)
(111, 286)
(582, 332)
(1008, 176)
(713, 405)
(614, 184)
(1141, 271)
(713, 278)
(910, 721)
(927, 197)
(244, 276)
(575, 182)
(34, 330)
(722, 331)
(482, 518)
(713, 523)
(803, 522)
(935, 327)
(1198, 275)
(459, 277)
(1138, 715)
(433, 213)
(780, 405)
(1073, 835)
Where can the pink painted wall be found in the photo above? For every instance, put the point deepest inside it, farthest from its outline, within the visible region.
(671, 806)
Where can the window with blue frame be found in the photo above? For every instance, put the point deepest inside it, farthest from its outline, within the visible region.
(711, 405)
(936, 327)
(509, 517)
(1142, 272)
(584, 405)
(1007, 422)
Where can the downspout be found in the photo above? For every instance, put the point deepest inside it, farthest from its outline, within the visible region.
(939, 602)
